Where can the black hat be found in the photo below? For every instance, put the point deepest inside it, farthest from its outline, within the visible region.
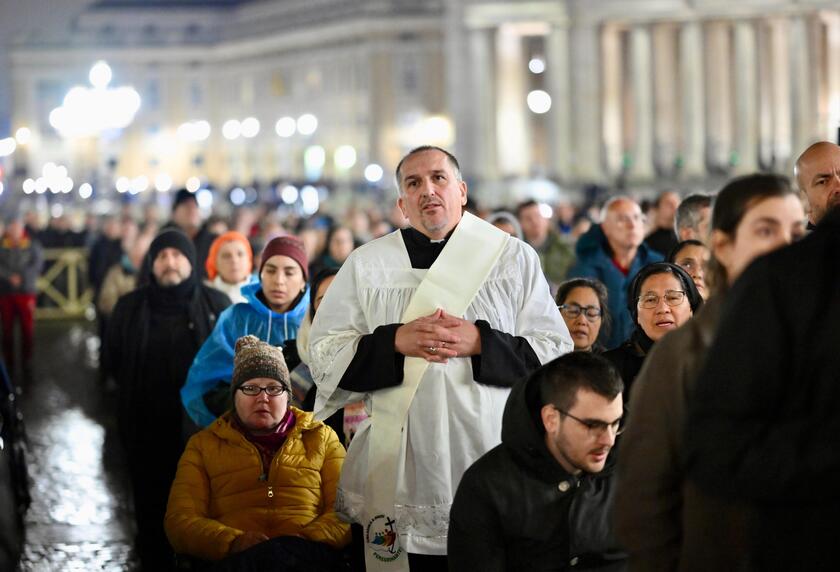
(183, 195)
(173, 239)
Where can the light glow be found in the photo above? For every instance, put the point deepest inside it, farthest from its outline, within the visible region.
(289, 194)
(539, 101)
(194, 131)
(345, 157)
(307, 124)
(536, 65)
(373, 173)
(100, 75)
(285, 127)
(250, 127)
(7, 146)
(123, 184)
(231, 129)
(87, 111)
(163, 182)
(23, 136)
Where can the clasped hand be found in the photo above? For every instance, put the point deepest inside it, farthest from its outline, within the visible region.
(438, 337)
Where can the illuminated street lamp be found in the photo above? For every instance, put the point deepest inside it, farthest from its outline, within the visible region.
(89, 111)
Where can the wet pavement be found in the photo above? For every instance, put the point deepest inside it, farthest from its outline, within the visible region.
(80, 517)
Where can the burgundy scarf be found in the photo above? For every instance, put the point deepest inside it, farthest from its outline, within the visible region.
(268, 445)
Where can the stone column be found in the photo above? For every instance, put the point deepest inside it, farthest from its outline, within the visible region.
(832, 22)
(560, 115)
(642, 152)
(693, 109)
(719, 120)
(586, 129)
(766, 73)
(666, 122)
(483, 110)
(802, 82)
(780, 87)
(746, 98)
(382, 141)
(512, 137)
(613, 64)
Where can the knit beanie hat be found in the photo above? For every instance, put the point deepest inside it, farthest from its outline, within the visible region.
(182, 196)
(287, 246)
(173, 239)
(254, 359)
(230, 236)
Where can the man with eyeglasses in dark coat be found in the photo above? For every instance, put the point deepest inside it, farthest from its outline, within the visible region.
(542, 500)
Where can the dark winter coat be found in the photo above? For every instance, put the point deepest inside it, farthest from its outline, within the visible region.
(516, 508)
(594, 260)
(650, 503)
(764, 420)
(629, 357)
(128, 342)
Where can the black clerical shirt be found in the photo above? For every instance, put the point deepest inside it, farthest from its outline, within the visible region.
(503, 359)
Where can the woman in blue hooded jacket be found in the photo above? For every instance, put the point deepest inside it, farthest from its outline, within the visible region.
(274, 310)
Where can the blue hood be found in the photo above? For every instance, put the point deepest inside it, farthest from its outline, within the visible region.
(214, 362)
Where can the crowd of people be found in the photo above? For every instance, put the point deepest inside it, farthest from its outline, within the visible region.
(443, 387)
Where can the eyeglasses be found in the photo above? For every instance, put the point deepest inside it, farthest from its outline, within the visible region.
(596, 428)
(651, 301)
(254, 390)
(573, 310)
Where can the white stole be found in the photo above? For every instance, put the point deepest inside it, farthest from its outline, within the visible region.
(451, 284)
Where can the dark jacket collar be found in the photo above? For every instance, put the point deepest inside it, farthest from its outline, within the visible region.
(422, 251)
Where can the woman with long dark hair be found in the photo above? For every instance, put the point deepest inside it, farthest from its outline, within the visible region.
(752, 215)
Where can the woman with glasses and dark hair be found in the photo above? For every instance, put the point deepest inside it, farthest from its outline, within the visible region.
(751, 216)
(661, 298)
(255, 490)
(583, 305)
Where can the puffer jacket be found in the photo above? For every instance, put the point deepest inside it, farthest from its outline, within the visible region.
(517, 509)
(214, 362)
(218, 492)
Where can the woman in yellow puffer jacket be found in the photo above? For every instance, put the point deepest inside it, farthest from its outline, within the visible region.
(256, 489)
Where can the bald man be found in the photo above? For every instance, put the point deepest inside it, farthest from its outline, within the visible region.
(817, 172)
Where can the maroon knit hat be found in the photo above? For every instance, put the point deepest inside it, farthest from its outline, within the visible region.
(286, 246)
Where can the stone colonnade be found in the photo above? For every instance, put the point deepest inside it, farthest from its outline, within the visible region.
(647, 100)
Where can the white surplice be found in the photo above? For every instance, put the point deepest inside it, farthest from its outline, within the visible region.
(453, 420)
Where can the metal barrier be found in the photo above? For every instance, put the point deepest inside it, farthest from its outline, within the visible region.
(63, 290)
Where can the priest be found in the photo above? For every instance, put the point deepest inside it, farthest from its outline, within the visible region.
(431, 325)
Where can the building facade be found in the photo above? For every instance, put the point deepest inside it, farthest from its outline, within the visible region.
(641, 91)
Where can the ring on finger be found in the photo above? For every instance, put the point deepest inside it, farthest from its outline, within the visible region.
(432, 350)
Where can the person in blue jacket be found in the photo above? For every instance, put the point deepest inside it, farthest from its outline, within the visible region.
(613, 252)
(274, 310)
